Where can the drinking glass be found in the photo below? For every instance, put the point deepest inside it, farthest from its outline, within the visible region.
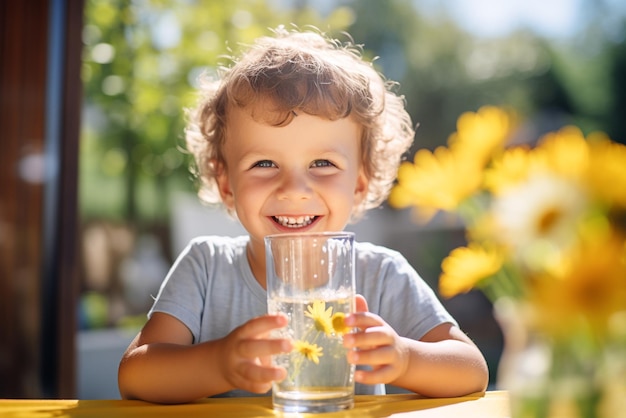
(310, 279)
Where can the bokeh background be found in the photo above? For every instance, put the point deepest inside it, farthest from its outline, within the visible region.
(555, 62)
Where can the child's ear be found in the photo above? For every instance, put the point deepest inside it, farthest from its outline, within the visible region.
(362, 184)
(223, 186)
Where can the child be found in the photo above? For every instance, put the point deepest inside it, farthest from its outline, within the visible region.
(300, 134)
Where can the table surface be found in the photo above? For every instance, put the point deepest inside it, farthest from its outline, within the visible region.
(492, 404)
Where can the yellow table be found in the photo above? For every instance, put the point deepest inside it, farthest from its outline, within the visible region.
(493, 404)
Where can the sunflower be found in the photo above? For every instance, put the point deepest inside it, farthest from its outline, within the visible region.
(311, 352)
(321, 316)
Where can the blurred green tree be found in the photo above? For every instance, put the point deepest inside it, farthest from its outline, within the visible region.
(444, 70)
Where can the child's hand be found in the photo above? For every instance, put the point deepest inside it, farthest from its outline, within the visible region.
(246, 352)
(378, 346)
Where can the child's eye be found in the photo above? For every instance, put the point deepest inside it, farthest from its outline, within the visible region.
(322, 163)
(263, 164)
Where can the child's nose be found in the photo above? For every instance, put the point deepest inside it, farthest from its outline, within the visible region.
(294, 185)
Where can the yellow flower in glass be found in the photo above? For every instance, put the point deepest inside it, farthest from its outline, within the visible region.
(311, 352)
(339, 323)
(321, 316)
(465, 267)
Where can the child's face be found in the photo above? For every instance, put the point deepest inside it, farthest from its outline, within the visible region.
(306, 176)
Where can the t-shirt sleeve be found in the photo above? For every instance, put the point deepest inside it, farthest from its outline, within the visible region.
(182, 292)
(402, 298)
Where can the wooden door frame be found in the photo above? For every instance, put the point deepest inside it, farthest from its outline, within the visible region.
(40, 100)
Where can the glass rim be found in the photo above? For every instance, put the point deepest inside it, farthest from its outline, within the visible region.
(339, 234)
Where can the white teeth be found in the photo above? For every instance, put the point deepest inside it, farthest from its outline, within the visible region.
(293, 222)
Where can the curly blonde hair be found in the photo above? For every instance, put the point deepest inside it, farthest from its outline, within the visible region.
(304, 71)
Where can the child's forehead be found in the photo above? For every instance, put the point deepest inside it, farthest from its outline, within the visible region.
(259, 122)
(262, 110)
(266, 112)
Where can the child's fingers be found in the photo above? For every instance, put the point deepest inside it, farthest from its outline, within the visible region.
(360, 303)
(370, 338)
(257, 387)
(253, 373)
(363, 320)
(253, 348)
(384, 374)
(261, 325)
(374, 357)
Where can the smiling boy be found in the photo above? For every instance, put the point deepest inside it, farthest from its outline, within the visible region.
(300, 134)
(304, 176)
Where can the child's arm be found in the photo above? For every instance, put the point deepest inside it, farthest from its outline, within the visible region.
(444, 363)
(161, 364)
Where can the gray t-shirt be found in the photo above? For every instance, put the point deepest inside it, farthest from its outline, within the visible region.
(211, 289)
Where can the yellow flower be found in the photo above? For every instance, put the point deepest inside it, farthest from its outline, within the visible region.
(508, 170)
(537, 218)
(565, 153)
(481, 133)
(443, 179)
(438, 180)
(320, 316)
(606, 176)
(339, 323)
(465, 267)
(311, 352)
(590, 286)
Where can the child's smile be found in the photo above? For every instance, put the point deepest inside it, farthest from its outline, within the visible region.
(295, 222)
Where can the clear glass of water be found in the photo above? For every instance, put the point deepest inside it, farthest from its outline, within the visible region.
(310, 278)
